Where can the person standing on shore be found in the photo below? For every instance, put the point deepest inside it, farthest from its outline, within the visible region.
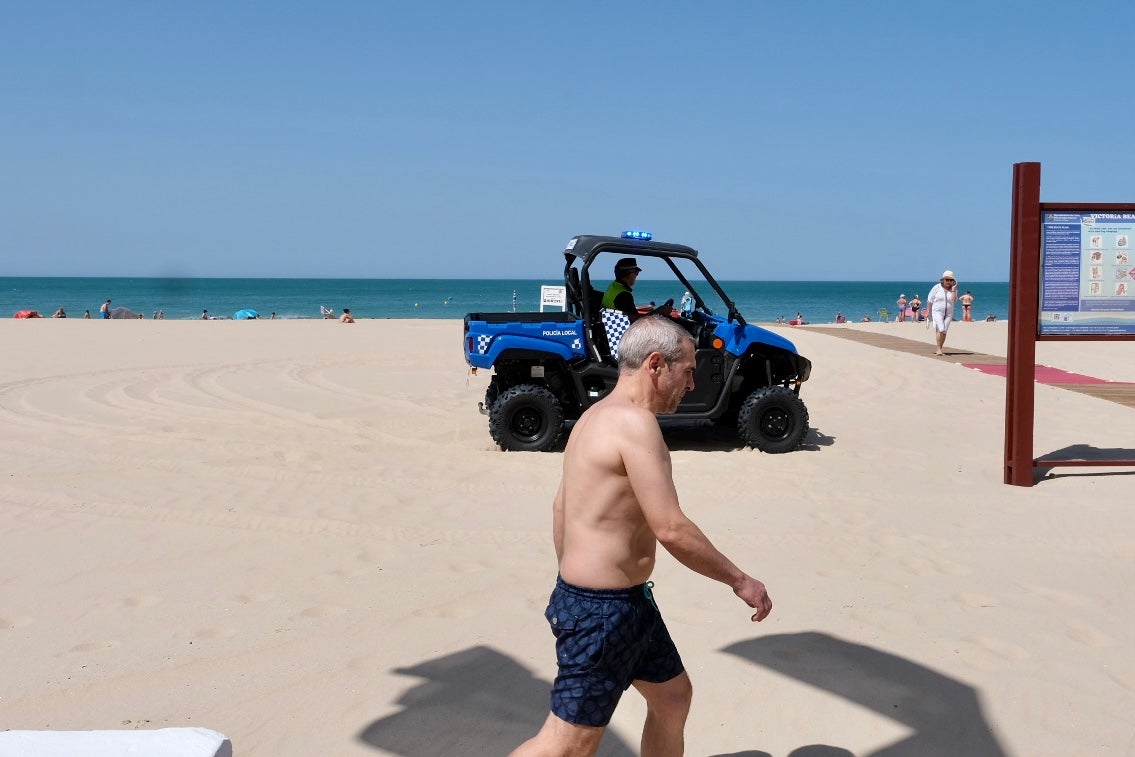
(104, 311)
(616, 501)
(901, 303)
(941, 303)
(967, 305)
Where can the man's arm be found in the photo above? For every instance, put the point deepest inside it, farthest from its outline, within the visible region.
(648, 467)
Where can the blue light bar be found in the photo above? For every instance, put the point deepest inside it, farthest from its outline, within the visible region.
(645, 236)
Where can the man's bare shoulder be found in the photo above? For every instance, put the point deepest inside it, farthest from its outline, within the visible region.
(617, 416)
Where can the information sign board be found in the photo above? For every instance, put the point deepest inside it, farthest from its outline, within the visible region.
(1087, 273)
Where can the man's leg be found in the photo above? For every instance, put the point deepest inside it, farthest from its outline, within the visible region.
(667, 705)
(559, 738)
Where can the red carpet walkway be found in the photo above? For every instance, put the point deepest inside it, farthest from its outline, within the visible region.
(1113, 391)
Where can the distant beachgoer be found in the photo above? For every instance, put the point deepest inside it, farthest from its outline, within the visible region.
(990, 318)
(161, 315)
(902, 307)
(839, 318)
(87, 314)
(60, 313)
(866, 319)
(204, 315)
(686, 307)
(941, 304)
(915, 308)
(967, 303)
(104, 311)
(346, 317)
(273, 316)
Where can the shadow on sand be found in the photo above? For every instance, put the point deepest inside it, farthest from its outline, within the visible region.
(474, 702)
(943, 713)
(703, 436)
(481, 702)
(1082, 452)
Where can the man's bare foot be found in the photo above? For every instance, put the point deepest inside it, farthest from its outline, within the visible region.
(939, 352)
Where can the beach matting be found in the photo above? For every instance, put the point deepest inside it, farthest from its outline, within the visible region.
(299, 534)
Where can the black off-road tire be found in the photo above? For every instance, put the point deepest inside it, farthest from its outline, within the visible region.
(773, 419)
(491, 394)
(526, 418)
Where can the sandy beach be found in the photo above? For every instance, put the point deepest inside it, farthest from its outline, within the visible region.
(300, 534)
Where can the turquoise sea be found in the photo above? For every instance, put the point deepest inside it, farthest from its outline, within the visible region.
(818, 301)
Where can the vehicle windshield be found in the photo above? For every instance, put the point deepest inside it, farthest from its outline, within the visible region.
(658, 283)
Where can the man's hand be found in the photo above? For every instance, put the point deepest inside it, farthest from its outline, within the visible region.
(754, 594)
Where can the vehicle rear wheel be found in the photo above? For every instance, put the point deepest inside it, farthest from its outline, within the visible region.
(526, 418)
(773, 419)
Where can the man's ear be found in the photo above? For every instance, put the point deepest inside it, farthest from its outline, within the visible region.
(654, 362)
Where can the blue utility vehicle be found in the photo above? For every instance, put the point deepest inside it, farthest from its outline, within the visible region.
(548, 367)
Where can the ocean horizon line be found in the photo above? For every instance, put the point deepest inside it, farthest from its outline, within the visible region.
(931, 282)
(188, 297)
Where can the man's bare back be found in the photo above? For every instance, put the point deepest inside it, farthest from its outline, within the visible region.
(617, 498)
(607, 543)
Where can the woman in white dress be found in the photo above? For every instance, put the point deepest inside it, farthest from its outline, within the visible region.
(941, 301)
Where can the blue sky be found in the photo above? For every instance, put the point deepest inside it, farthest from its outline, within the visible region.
(784, 140)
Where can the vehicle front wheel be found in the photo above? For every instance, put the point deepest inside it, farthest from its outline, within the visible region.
(526, 418)
(773, 419)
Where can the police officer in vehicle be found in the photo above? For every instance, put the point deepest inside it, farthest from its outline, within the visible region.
(619, 296)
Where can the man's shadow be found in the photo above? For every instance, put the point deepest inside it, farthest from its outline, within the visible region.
(477, 701)
(944, 714)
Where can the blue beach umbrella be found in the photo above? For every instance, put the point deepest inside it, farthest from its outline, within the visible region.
(245, 314)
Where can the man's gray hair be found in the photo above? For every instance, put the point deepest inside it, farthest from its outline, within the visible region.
(654, 333)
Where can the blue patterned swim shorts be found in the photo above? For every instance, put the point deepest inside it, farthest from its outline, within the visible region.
(605, 640)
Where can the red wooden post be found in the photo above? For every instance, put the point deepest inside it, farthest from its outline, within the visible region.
(1024, 307)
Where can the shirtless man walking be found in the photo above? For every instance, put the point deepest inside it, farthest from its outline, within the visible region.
(615, 503)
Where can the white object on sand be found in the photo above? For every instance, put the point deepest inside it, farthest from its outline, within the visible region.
(163, 742)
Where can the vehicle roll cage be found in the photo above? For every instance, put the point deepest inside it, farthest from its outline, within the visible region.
(585, 249)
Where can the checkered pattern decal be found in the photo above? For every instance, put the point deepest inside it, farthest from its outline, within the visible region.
(483, 342)
(615, 322)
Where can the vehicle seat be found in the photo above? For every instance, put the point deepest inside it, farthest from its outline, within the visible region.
(615, 324)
